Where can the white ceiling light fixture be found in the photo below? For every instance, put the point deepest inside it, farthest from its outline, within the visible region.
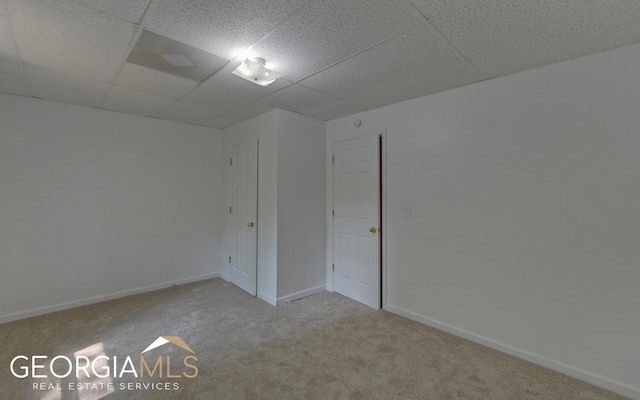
(254, 69)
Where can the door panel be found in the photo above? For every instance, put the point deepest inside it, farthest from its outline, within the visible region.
(356, 225)
(243, 213)
(364, 250)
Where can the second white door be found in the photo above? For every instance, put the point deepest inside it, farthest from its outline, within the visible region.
(356, 223)
(243, 215)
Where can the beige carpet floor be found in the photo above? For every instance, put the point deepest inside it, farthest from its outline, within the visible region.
(322, 347)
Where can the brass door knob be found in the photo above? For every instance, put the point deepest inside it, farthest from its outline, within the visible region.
(373, 230)
(250, 224)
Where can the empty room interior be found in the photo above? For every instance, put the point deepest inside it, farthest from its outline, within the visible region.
(319, 199)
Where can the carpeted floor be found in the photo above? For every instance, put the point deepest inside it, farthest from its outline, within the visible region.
(322, 347)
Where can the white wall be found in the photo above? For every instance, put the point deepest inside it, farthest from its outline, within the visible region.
(291, 254)
(525, 223)
(301, 205)
(262, 128)
(96, 204)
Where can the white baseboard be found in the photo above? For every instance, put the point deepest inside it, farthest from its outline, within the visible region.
(97, 299)
(299, 295)
(267, 298)
(578, 373)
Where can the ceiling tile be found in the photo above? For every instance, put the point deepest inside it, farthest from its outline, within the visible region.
(558, 14)
(484, 24)
(191, 113)
(228, 92)
(578, 29)
(136, 77)
(223, 27)
(415, 85)
(136, 102)
(131, 10)
(572, 30)
(420, 49)
(160, 53)
(7, 43)
(332, 110)
(57, 86)
(293, 98)
(328, 31)
(11, 77)
(432, 8)
(515, 56)
(242, 114)
(65, 36)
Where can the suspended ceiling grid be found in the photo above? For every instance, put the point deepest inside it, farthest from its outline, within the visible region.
(335, 57)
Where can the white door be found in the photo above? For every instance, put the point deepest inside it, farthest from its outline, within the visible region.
(356, 221)
(243, 213)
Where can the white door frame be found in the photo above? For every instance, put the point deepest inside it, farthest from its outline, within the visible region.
(383, 203)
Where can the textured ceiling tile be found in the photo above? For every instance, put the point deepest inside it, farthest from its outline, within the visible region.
(485, 24)
(228, 92)
(64, 36)
(332, 110)
(11, 77)
(239, 115)
(432, 8)
(566, 13)
(7, 43)
(190, 113)
(420, 49)
(572, 29)
(578, 29)
(148, 80)
(222, 27)
(136, 102)
(57, 86)
(131, 10)
(327, 31)
(516, 56)
(416, 85)
(600, 39)
(293, 98)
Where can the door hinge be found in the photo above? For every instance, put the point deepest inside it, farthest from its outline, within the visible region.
(333, 160)
(333, 267)
(230, 209)
(333, 213)
(229, 259)
(231, 161)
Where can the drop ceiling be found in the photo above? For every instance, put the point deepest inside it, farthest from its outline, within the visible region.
(336, 57)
